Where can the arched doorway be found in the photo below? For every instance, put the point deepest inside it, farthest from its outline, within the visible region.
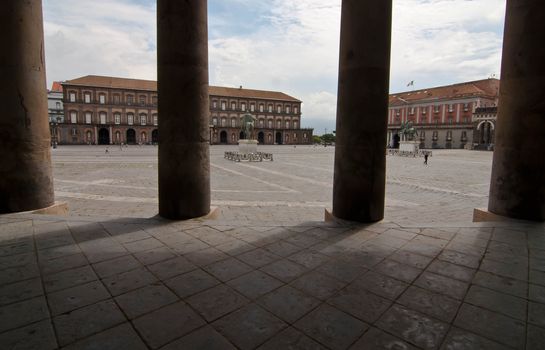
(278, 139)
(131, 137)
(155, 136)
(241, 136)
(261, 137)
(396, 141)
(103, 136)
(223, 137)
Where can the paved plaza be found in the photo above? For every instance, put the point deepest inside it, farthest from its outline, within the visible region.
(268, 273)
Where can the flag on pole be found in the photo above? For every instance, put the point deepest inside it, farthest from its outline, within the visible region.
(411, 83)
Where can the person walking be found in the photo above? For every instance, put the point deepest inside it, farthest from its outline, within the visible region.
(425, 159)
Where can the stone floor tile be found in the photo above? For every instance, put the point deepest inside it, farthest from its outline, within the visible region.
(191, 283)
(536, 314)
(491, 325)
(361, 259)
(447, 269)
(507, 249)
(505, 269)
(169, 268)
(342, 271)
(205, 338)
(228, 269)
(309, 258)
(501, 284)
(411, 259)
(537, 277)
(435, 305)
(76, 297)
(318, 285)
(254, 284)
(459, 258)
(498, 302)
(17, 260)
(49, 266)
(461, 339)
(288, 303)
(119, 337)
(143, 244)
(258, 257)
(164, 325)
(378, 250)
(206, 256)
(78, 324)
(290, 338)
(397, 270)
(437, 233)
(380, 285)
(235, 247)
(115, 266)
(284, 270)
(422, 249)
(249, 327)
(375, 339)
(331, 327)
(413, 327)
(188, 246)
(19, 273)
(58, 252)
(104, 250)
(69, 278)
(21, 247)
(152, 256)
(146, 299)
(302, 240)
(535, 338)
(442, 285)
(466, 248)
(217, 301)
(360, 303)
(282, 248)
(127, 281)
(19, 291)
(39, 335)
(23, 313)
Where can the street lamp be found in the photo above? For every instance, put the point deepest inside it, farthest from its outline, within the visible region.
(53, 128)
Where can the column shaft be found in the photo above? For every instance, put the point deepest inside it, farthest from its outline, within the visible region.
(362, 110)
(26, 180)
(182, 58)
(517, 187)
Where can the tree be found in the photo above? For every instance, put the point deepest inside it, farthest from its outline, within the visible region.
(328, 138)
(316, 139)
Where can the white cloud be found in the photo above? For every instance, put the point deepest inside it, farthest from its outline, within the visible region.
(287, 45)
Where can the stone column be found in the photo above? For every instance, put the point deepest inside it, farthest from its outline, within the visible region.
(517, 186)
(182, 59)
(26, 180)
(362, 110)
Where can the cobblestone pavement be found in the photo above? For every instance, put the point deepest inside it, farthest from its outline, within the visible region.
(269, 273)
(124, 183)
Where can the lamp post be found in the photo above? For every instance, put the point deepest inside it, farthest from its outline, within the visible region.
(53, 127)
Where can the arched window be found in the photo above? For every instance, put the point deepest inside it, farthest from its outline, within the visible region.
(102, 99)
(73, 117)
(130, 119)
(233, 123)
(287, 124)
(117, 118)
(143, 118)
(88, 116)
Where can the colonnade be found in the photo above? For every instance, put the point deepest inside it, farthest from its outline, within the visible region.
(518, 174)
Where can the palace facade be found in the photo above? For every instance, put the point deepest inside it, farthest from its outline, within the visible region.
(446, 116)
(108, 110)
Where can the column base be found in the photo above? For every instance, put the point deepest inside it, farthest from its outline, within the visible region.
(329, 217)
(483, 215)
(58, 208)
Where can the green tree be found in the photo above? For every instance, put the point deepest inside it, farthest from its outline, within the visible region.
(316, 139)
(328, 138)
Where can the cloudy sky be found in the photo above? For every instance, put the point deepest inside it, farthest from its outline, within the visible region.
(285, 45)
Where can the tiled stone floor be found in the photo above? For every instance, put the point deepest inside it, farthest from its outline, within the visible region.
(92, 283)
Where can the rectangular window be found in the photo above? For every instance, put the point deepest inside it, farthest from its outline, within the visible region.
(278, 124)
(233, 123)
(72, 97)
(130, 119)
(243, 107)
(233, 106)
(88, 117)
(252, 107)
(214, 121)
(73, 117)
(155, 120)
(270, 108)
(142, 100)
(87, 98)
(261, 108)
(295, 125)
(287, 124)
(278, 109)
(214, 104)
(130, 99)
(154, 100)
(436, 109)
(116, 99)
(142, 119)
(102, 99)
(261, 123)
(223, 106)
(118, 118)
(450, 108)
(288, 109)
(58, 105)
(270, 124)
(466, 107)
(295, 110)
(102, 118)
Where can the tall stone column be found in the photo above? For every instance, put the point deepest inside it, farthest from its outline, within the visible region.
(26, 180)
(362, 110)
(517, 187)
(182, 59)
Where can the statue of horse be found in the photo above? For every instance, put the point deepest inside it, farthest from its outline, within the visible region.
(408, 131)
(247, 126)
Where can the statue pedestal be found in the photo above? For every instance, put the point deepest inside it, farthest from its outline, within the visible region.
(247, 146)
(409, 146)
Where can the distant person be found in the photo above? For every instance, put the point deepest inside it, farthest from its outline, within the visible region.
(106, 151)
(425, 159)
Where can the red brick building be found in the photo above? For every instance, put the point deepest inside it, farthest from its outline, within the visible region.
(109, 110)
(443, 116)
